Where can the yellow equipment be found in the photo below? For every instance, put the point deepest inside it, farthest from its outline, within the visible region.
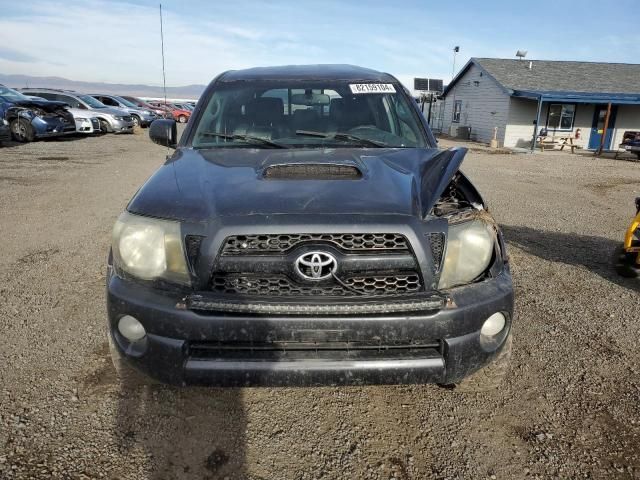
(628, 256)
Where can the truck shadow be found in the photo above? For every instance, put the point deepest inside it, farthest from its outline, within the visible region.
(193, 433)
(591, 252)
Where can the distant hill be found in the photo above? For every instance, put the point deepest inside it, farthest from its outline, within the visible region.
(138, 90)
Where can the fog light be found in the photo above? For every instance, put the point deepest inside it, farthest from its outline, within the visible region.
(131, 329)
(493, 325)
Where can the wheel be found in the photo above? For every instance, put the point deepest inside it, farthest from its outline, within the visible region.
(182, 119)
(21, 130)
(490, 377)
(136, 120)
(104, 126)
(638, 155)
(625, 263)
(127, 375)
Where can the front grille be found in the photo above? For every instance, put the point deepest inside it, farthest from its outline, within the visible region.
(274, 243)
(281, 285)
(320, 349)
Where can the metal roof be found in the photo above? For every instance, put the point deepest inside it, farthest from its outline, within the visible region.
(579, 97)
(586, 82)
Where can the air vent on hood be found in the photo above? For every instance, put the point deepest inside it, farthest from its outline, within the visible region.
(312, 171)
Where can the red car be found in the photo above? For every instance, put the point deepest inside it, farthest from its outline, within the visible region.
(155, 108)
(178, 114)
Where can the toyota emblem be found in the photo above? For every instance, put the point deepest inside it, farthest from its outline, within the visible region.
(316, 265)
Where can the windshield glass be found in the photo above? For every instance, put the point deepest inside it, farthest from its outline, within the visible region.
(309, 114)
(92, 102)
(9, 95)
(127, 102)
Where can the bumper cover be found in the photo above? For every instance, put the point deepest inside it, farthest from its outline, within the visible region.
(172, 351)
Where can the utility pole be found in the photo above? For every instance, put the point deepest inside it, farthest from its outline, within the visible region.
(456, 49)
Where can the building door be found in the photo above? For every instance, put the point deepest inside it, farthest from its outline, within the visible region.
(598, 127)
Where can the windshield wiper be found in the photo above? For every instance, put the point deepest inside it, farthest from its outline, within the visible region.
(246, 138)
(343, 136)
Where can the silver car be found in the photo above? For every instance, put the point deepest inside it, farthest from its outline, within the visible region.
(111, 120)
(141, 117)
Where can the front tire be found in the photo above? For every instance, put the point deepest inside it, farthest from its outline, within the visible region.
(21, 130)
(104, 126)
(489, 378)
(136, 121)
(182, 119)
(625, 263)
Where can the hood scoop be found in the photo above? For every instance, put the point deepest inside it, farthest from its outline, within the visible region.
(312, 171)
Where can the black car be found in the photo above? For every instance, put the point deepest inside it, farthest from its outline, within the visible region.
(308, 231)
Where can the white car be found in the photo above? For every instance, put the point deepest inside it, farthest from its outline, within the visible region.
(84, 123)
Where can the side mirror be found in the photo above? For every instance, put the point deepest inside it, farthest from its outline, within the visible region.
(164, 132)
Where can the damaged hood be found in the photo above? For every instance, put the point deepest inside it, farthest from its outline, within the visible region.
(45, 105)
(197, 185)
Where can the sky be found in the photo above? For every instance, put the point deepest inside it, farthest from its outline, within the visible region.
(119, 41)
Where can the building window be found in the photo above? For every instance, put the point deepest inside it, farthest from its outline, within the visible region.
(457, 109)
(561, 116)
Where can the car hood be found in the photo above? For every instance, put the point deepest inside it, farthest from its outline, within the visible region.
(47, 106)
(197, 185)
(110, 111)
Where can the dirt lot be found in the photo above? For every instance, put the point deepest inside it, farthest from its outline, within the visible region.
(570, 408)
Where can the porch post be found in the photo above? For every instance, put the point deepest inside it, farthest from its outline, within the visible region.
(603, 137)
(535, 127)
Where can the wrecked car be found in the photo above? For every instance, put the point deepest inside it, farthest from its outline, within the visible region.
(33, 119)
(627, 256)
(84, 123)
(308, 231)
(110, 120)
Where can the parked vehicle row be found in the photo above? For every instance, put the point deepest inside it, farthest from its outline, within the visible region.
(27, 114)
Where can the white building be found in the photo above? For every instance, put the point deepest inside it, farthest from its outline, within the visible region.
(563, 97)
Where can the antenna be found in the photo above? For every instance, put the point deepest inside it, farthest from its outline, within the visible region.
(521, 54)
(164, 77)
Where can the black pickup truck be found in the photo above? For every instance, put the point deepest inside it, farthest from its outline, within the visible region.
(308, 231)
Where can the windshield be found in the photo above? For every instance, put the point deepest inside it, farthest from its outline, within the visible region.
(92, 102)
(10, 95)
(126, 102)
(300, 114)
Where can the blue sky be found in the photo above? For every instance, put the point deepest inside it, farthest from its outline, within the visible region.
(118, 41)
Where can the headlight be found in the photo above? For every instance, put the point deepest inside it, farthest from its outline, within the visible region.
(117, 117)
(146, 112)
(469, 252)
(5, 122)
(80, 119)
(149, 249)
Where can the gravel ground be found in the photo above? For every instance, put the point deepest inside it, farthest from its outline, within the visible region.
(570, 408)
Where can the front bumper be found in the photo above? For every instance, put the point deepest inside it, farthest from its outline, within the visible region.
(185, 347)
(121, 126)
(146, 120)
(52, 127)
(5, 132)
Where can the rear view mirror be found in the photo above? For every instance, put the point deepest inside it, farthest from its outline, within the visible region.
(311, 99)
(164, 132)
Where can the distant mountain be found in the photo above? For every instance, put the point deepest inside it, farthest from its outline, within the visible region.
(21, 81)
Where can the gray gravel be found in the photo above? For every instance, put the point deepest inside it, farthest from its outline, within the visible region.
(570, 408)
